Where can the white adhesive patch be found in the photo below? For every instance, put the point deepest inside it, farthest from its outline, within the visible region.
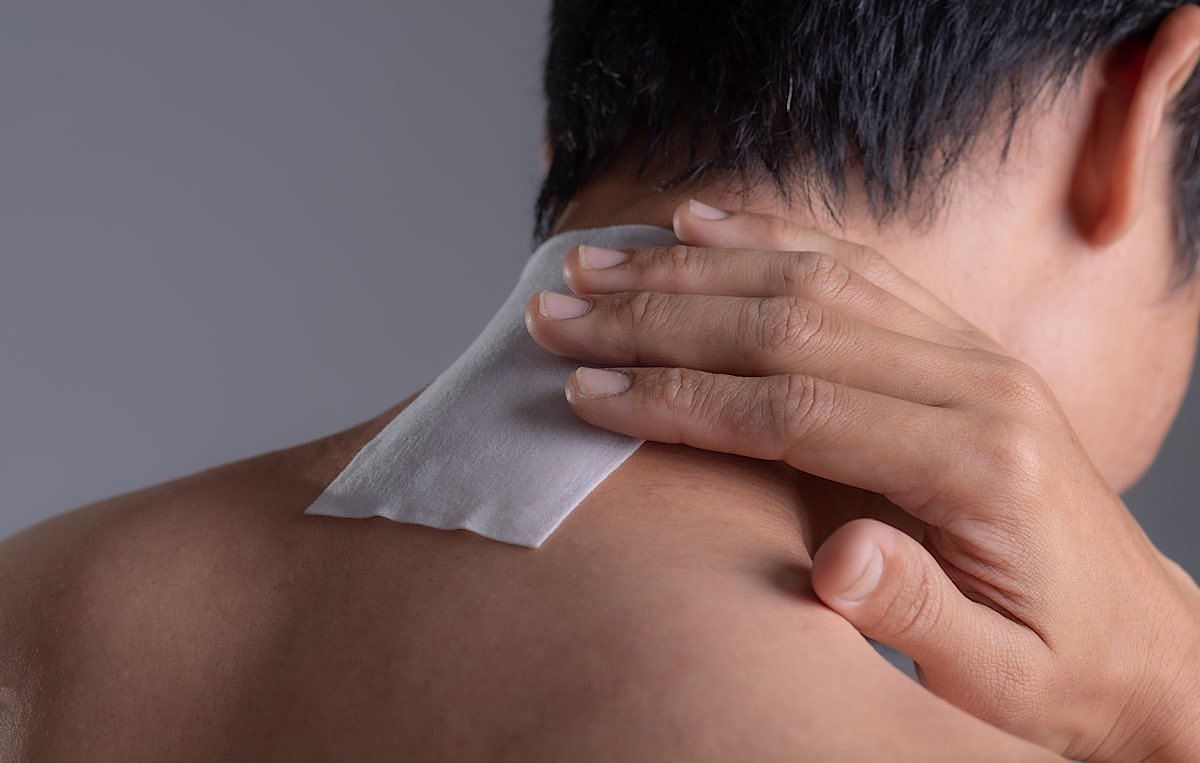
(491, 446)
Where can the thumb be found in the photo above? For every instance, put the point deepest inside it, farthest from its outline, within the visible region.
(890, 588)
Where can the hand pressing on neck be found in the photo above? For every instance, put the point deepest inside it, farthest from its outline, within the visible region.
(1033, 600)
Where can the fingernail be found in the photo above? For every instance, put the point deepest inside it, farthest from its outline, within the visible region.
(598, 257)
(599, 382)
(559, 306)
(705, 212)
(869, 561)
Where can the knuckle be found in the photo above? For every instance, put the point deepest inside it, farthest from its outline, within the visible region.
(683, 392)
(828, 276)
(684, 259)
(800, 406)
(638, 311)
(1017, 384)
(815, 274)
(786, 325)
(1013, 453)
(914, 609)
(1016, 444)
(870, 263)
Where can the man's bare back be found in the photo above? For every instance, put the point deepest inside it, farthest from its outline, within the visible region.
(669, 618)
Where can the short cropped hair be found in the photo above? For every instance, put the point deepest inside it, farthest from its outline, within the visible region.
(801, 93)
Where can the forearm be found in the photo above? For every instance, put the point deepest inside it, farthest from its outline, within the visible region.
(1183, 747)
(1176, 727)
(1171, 735)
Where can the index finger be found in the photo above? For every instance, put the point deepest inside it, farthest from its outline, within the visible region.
(824, 428)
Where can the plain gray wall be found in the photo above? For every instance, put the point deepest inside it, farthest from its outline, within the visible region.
(227, 227)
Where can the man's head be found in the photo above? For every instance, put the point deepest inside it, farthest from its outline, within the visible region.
(1036, 163)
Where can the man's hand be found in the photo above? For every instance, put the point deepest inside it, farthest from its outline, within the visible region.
(1035, 601)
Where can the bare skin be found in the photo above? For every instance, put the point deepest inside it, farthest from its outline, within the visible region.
(1024, 549)
(671, 617)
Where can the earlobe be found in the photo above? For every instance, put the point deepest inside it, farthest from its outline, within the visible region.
(1141, 80)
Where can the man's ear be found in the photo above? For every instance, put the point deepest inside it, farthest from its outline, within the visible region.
(1141, 79)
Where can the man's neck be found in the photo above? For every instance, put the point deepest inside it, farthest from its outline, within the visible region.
(619, 199)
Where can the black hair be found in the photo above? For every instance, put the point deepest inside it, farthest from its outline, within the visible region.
(805, 92)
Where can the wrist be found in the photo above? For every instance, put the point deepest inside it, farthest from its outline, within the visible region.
(1170, 734)
(1183, 745)
(1159, 721)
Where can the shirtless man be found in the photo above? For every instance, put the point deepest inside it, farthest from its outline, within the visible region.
(671, 616)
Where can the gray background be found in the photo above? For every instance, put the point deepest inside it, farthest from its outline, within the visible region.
(227, 227)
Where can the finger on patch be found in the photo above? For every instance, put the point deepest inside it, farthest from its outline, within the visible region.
(820, 427)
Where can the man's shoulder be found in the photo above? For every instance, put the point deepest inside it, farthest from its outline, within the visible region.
(200, 525)
(654, 624)
(168, 585)
(123, 534)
